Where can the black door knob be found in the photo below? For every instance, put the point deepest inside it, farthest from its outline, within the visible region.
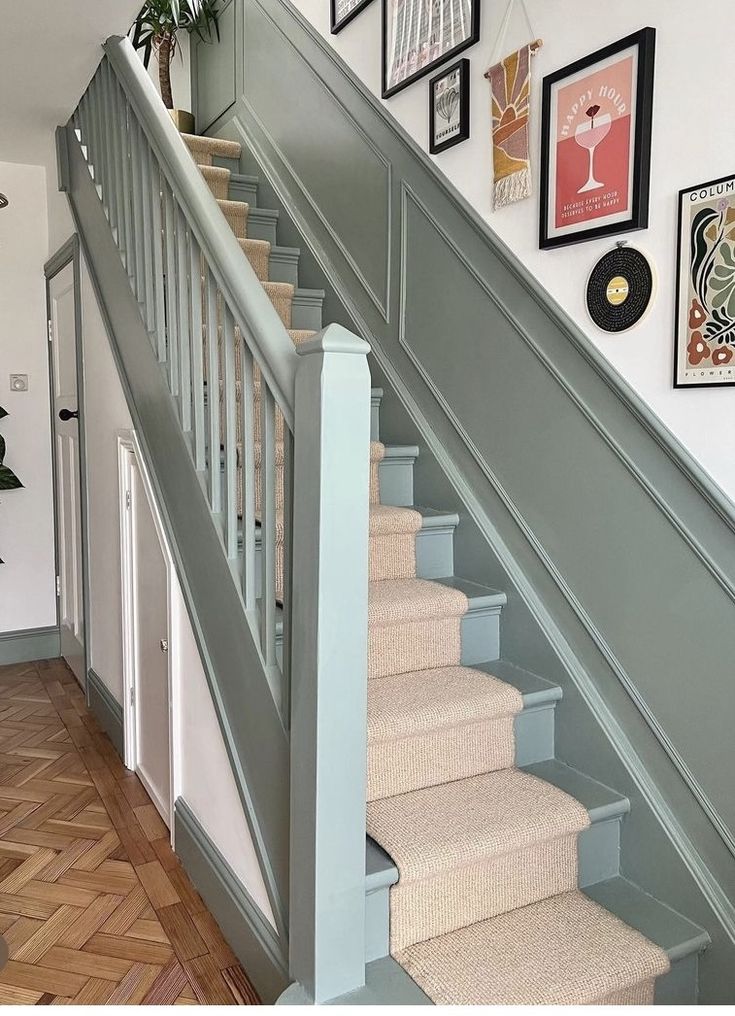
(68, 414)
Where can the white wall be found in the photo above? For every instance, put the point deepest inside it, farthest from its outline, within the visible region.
(106, 415)
(693, 141)
(27, 579)
(202, 774)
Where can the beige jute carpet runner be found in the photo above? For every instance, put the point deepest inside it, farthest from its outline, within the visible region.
(486, 909)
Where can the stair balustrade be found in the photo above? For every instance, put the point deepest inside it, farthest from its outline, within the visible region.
(287, 489)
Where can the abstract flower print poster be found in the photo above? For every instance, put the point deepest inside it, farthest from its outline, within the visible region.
(705, 298)
(596, 134)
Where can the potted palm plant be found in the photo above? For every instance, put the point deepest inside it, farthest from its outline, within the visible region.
(156, 29)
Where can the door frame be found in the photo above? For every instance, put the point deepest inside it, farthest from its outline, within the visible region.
(70, 253)
(129, 452)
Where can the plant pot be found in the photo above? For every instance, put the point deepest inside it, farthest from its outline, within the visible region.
(184, 121)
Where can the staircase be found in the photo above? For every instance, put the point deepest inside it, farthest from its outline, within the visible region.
(493, 871)
(501, 865)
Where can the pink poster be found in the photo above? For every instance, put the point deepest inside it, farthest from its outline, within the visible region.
(595, 138)
(593, 143)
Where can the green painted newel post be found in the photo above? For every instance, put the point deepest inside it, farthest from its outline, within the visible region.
(8, 479)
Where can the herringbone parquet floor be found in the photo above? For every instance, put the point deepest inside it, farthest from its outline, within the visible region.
(94, 904)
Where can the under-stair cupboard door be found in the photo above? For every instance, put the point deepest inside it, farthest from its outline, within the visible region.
(151, 632)
(63, 333)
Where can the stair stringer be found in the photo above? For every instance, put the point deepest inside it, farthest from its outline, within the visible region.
(665, 847)
(253, 734)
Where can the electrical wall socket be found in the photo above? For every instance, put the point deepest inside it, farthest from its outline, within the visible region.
(19, 382)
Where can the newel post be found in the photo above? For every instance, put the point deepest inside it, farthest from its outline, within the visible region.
(329, 664)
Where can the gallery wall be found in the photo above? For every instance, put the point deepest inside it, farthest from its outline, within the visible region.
(693, 142)
(27, 594)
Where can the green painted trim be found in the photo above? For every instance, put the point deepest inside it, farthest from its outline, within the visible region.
(107, 709)
(29, 644)
(249, 933)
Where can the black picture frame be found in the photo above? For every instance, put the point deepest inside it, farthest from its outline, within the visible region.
(337, 26)
(645, 40)
(441, 59)
(463, 67)
(722, 185)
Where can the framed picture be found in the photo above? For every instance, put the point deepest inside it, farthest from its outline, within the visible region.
(343, 11)
(596, 143)
(704, 352)
(449, 107)
(418, 35)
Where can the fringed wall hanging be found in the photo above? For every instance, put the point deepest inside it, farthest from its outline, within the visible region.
(510, 92)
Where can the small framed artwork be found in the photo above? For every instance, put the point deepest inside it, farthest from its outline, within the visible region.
(704, 352)
(596, 143)
(418, 35)
(343, 11)
(449, 107)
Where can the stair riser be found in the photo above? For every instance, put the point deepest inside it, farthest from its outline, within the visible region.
(480, 636)
(238, 222)
(480, 891)
(283, 266)
(396, 482)
(306, 312)
(435, 552)
(443, 756)
(232, 164)
(219, 186)
(534, 733)
(243, 188)
(262, 225)
(414, 645)
(679, 986)
(598, 854)
(601, 838)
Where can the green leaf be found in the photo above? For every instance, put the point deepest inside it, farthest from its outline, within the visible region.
(8, 479)
(3, 412)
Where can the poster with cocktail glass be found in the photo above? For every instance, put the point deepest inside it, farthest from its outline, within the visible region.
(596, 143)
(418, 35)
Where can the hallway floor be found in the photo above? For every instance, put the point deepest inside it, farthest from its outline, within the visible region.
(94, 904)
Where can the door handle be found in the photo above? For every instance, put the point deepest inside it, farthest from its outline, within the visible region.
(68, 414)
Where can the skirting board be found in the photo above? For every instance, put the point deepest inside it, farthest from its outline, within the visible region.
(249, 933)
(107, 709)
(29, 644)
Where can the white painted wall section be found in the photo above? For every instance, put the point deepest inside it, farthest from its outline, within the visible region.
(105, 414)
(693, 142)
(202, 774)
(27, 578)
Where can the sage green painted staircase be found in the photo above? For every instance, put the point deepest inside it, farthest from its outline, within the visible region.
(601, 863)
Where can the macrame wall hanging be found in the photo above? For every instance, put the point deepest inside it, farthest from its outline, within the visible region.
(510, 92)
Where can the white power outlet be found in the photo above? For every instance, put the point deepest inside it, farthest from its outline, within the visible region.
(19, 382)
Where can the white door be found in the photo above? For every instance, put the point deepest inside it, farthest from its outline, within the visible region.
(62, 316)
(150, 622)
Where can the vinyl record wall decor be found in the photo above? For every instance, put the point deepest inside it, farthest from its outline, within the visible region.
(620, 289)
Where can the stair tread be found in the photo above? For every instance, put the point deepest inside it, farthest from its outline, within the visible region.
(535, 689)
(404, 705)
(395, 601)
(456, 824)
(676, 935)
(213, 146)
(563, 949)
(214, 172)
(479, 595)
(601, 802)
(227, 205)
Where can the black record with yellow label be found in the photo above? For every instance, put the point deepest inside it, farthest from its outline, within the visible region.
(620, 289)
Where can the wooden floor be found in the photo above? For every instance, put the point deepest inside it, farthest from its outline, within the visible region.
(94, 905)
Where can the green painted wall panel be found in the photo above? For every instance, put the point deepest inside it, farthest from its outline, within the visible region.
(617, 552)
